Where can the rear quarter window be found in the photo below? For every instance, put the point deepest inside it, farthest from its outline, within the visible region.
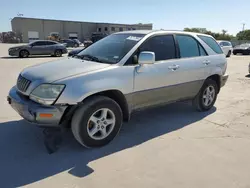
(211, 43)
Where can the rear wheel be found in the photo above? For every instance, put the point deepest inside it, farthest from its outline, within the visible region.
(23, 54)
(207, 96)
(97, 122)
(58, 53)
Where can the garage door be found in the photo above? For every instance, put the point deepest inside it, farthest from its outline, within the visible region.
(33, 35)
(73, 36)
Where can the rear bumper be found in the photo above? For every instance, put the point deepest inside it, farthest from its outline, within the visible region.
(64, 51)
(32, 111)
(223, 80)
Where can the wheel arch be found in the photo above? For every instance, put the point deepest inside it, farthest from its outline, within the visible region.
(118, 97)
(24, 50)
(217, 79)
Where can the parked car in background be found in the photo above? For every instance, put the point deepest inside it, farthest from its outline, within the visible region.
(78, 41)
(97, 36)
(242, 49)
(39, 47)
(75, 51)
(87, 43)
(226, 46)
(70, 42)
(95, 97)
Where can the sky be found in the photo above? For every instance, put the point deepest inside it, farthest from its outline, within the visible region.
(214, 15)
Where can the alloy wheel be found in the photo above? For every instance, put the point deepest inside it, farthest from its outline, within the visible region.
(101, 123)
(208, 95)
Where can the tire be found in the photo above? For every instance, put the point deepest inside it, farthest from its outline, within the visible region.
(24, 53)
(229, 53)
(81, 122)
(76, 45)
(58, 53)
(199, 100)
(234, 53)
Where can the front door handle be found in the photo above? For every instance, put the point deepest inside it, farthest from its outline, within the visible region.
(174, 67)
(206, 62)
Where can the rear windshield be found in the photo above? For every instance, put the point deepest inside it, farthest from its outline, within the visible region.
(211, 43)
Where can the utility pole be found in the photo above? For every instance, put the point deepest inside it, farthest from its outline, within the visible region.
(243, 26)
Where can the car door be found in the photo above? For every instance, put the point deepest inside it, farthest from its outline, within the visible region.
(50, 47)
(151, 81)
(39, 48)
(193, 65)
(176, 74)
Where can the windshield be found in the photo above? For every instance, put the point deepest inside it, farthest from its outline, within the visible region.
(112, 48)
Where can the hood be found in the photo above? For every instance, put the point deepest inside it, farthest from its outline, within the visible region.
(241, 47)
(19, 46)
(55, 70)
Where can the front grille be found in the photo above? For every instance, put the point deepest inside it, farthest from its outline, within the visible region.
(22, 83)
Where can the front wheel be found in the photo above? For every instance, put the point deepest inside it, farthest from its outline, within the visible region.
(24, 54)
(207, 96)
(97, 121)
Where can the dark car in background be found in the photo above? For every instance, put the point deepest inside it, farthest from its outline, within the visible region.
(70, 42)
(77, 41)
(39, 47)
(242, 49)
(75, 51)
(97, 36)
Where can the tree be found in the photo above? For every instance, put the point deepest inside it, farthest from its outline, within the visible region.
(217, 36)
(224, 32)
(243, 35)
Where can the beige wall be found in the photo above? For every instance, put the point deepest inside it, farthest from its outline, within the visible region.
(83, 29)
(25, 25)
(51, 26)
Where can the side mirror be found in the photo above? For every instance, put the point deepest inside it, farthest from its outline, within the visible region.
(146, 58)
(221, 45)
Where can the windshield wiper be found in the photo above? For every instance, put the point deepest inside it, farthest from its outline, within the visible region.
(89, 57)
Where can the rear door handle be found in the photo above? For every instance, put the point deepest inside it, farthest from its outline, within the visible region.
(206, 62)
(174, 67)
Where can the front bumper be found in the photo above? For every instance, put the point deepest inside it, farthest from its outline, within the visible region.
(13, 53)
(32, 111)
(223, 80)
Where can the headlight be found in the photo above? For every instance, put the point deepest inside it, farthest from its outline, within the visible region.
(46, 93)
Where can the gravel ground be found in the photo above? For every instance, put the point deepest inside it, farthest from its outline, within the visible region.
(172, 146)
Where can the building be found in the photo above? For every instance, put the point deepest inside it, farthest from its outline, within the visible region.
(39, 29)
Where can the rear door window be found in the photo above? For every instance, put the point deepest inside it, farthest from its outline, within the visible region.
(211, 43)
(40, 43)
(50, 43)
(189, 47)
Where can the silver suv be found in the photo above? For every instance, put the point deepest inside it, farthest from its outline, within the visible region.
(99, 88)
